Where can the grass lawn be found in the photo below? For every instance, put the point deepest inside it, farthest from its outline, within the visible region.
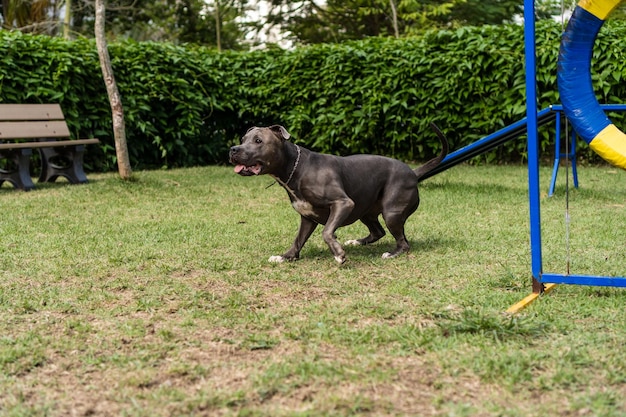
(155, 298)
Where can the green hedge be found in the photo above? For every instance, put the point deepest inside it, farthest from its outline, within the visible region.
(184, 105)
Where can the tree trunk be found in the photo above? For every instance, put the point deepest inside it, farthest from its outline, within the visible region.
(7, 14)
(119, 129)
(394, 16)
(67, 19)
(218, 26)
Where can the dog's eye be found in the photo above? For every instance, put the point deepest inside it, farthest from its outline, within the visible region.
(258, 140)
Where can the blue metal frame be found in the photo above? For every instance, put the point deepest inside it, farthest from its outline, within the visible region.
(571, 155)
(539, 277)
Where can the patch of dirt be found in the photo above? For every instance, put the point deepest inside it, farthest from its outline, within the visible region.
(206, 366)
(210, 371)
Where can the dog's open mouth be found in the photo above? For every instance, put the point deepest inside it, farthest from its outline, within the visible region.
(248, 170)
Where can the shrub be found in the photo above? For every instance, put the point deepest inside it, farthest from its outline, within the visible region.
(184, 105)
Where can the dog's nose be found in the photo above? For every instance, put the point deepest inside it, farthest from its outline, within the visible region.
(234, 150)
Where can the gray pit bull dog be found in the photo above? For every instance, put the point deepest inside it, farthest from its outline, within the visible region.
(335, 191)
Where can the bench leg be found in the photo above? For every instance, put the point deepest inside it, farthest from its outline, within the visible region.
(19, 173)
(65, 162)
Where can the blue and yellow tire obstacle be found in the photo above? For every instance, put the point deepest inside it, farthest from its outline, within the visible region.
(575, 86)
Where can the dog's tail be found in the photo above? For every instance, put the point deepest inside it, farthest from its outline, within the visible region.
(432, 164)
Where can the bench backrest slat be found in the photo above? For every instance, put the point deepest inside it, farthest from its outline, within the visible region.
(29, 130)
(31, 112)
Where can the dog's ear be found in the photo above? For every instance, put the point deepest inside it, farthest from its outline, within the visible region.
(280, 131)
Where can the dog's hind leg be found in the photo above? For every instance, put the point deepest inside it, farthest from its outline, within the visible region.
(376, 231)
(396, 228)
(395, 221)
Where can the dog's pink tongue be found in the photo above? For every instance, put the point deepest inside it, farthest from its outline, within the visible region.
(248, 170)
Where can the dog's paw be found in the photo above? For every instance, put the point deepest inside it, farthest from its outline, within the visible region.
(387, 255)
(340, 259)
(276, 259)
(353, 242)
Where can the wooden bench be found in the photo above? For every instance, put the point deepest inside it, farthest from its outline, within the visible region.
(24, 127)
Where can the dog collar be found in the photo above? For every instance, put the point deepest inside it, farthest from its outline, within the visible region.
(294, 166)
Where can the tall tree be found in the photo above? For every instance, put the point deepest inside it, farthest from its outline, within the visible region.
(117, 110)
(483, 12)
(67, 20)
(218, 25)
(35, 16)
(394, 18)
(314, 21)
(177, 21)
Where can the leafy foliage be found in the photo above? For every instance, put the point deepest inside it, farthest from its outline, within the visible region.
(172, 96)
(308, 22)
(176, 21)
(217, 23)
(184, 105)
(31, 16)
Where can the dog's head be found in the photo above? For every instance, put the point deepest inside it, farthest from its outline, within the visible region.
(260, 151)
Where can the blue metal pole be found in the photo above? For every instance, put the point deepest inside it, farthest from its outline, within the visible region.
(533, 143)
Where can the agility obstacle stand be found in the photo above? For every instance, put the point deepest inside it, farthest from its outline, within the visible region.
(586, 116)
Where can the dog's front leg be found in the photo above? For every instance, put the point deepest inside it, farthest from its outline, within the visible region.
(304, 232)
(339, 212)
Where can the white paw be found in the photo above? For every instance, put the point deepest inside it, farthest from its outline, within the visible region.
(276, 259)
(353, 243)
(340, 259)
(387, 255)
